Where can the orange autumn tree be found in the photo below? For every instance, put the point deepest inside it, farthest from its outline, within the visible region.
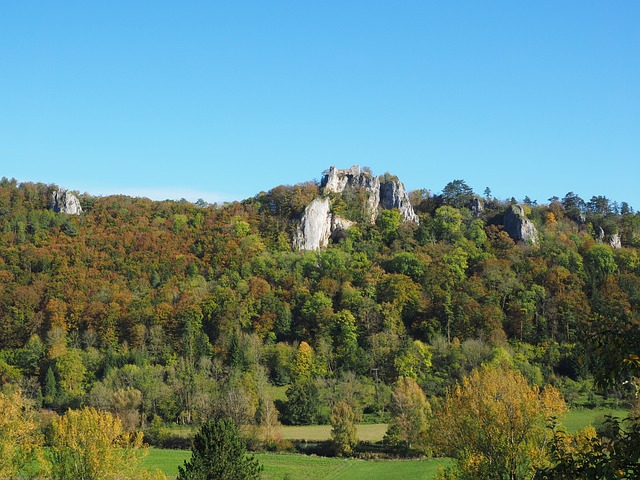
(493, 424)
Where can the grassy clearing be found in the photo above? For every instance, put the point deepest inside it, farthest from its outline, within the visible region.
(306, 467)
(310, 433)
(574, 420)
(319, 433)
(165, 460)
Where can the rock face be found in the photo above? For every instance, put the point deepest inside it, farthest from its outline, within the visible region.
(314, 230)
(65, 202)
(393, 195)
(339, 226)
(615, 241)
(337, 181)
(380, 193)
(477, 207)
(318, 224)
(518, 226)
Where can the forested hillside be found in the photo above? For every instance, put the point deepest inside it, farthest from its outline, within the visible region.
(176, 311)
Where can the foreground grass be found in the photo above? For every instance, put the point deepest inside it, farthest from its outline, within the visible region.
(309, 467)
(300, 467)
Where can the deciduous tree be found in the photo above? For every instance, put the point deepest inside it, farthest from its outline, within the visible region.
(411, 411)
(344, 434)
(91, 444)
(18, 434)
(492, 423)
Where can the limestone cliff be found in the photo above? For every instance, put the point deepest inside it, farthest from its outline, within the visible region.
(614, 239)
(314, 230)
(393, 195)
(65, 202)
(518, 226)
(381, 192)
(338, 181)
(318, 224)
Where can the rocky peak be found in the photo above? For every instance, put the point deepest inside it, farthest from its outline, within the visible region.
(336, 180)
(381, 192)
(518, 226)
(393, 195)
(318, 224)
(64, 201)
(614, 239)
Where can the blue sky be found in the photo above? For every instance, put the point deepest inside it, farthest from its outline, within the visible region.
(221, 100)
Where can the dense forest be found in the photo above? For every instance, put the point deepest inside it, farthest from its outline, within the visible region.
(178, 312)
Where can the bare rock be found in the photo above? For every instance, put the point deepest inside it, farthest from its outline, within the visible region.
(380, 193)
(318, 224)
(477, 207)
(518, 226)
(337, 180)
(339, 227)
(314, 229)
(393, 195)
(615, 241)
(64, 201)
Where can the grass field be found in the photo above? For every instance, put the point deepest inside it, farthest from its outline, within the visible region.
(309, 467)
(318, 433)
(573, 421)
(305, 467)
(577, 419)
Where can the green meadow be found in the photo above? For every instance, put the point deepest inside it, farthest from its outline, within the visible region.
(310, 467)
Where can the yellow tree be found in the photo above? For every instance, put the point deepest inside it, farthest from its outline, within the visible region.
(91, 444)
(344, 433)
(18, 434)
(303, 364)
(411, 411)
(493, 424)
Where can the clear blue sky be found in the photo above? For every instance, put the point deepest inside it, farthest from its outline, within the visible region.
(221, 100)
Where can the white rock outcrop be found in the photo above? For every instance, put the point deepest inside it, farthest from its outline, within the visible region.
(337, 181)
(615, 241)
(318, 224)
(314, 229)
(380, 193)
(64, 201)
(393, 195)
(518, 226)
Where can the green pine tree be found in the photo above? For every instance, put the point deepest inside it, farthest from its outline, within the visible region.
(219, 453)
